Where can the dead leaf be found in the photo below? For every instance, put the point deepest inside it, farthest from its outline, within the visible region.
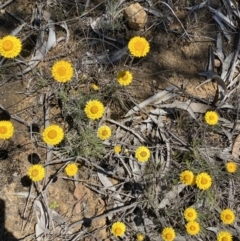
(236, 147)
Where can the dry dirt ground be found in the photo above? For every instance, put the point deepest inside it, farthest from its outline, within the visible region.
(174, 59)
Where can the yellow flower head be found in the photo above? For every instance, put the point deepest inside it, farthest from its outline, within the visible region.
(36, 172)
(94, 109)
(190, 214)
(71, 169)
(224, 236)
(118, 229)
(94, 86)
(62, 71)
(193, 228)
(53, 135)
(117, 149)
(231, 167)
(6, 130)
(142, 154)
(203, 181)
(227, 216)
(187, 177)
(10, 46)
(211, 117)
(124, 77)
(140, 236)
(168, 234)
(138, 46)
(104, 132)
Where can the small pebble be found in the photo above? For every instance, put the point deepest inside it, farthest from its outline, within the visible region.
(217, 63)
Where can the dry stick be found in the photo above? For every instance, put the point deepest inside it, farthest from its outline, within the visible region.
(176, 17)
(110, 212)
(25, 209)
(128, 129)
(100, 168)
(6, 3)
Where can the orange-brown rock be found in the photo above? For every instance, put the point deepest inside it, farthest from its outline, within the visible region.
(136, 16)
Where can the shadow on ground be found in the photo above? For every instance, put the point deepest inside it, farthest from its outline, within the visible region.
(5, 235)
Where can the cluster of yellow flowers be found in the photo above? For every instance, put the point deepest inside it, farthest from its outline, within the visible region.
(203, 180)
(118, 229)
(37, 172)
(11, 46)
(62, 71)
(138, 47)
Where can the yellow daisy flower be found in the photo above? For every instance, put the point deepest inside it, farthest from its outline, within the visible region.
(203, 181)
(231, 167)
(168, 234)
(36, 172)
(104, 132)
(117, 149)
(94, 86)
(138, 46)
(118, 229)
(94, 109)
(190, 214)
(193, 228)
(224, 236)
(10, 46)
(6, 130)
(53, 135)
(124, 77)
(227, 216)
(187, 177)
(142, 154)
(62, 71)
(71, 169)
(211, 117)
(140, 236)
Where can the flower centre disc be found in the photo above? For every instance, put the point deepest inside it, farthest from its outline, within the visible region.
(143, 154)
(204, 181)
(118, 231)
(225, 239)
(190, 215)
(3, 129)
(228, 217)
(52, 134)
(211, 117)
(169, 236)
(125, 76)
(139, 46)
(7, 45)
(61, 71)
(104, 132)
(94, 109)
(192, 228)
(34, 173)
(187, 178)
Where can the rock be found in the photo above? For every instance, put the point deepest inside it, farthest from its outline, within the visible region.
(136, 16)
(217, 63)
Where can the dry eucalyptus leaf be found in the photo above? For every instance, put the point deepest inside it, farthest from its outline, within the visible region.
(236, 147)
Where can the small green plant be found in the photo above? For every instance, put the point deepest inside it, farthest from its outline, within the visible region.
(54, 205)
